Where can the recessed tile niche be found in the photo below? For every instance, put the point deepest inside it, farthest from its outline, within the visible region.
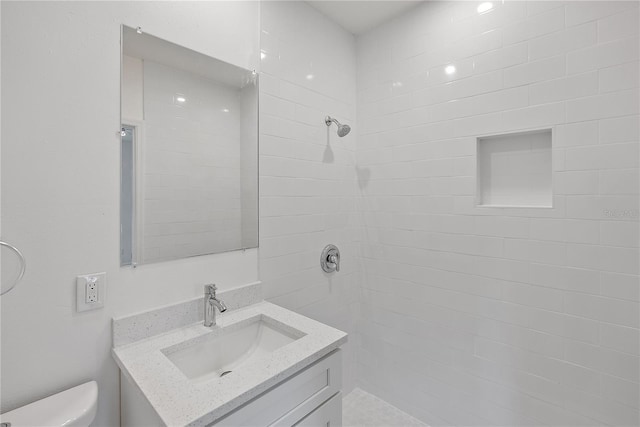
(514, 170)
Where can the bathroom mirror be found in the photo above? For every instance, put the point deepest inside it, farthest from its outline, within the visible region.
(189, 152)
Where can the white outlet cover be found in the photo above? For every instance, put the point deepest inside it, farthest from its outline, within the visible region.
(81, 291)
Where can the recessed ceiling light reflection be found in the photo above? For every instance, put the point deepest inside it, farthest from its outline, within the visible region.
(181, 99)
(484, 7)
(310, 76)
(263, 55)
(225, 110)
(450, 69)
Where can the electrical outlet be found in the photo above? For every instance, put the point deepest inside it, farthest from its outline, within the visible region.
(91, 295)
(90, 291)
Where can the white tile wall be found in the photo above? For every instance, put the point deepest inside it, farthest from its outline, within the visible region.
(249, 165)
(307, 173)
(192, 165)
(489, 316)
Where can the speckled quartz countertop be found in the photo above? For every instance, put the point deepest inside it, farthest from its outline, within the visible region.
(180, 401)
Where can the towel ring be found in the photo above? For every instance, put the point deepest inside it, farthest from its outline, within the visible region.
(23, 265)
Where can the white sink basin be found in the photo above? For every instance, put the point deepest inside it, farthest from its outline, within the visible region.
(227, 349)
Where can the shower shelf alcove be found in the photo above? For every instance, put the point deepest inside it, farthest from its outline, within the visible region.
(514, 170)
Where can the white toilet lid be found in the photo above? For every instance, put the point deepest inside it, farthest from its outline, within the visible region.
(74, 407)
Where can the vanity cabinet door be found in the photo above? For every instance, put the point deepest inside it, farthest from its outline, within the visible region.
(329, 414)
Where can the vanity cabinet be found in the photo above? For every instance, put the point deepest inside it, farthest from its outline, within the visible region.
(310, 397)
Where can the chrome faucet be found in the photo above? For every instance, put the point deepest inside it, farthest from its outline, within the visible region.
(211, 302)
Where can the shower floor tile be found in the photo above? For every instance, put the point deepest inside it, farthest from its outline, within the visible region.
(361, 409)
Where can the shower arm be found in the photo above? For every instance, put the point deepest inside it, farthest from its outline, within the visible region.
(328, 120)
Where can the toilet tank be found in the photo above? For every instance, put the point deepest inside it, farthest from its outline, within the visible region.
(75, 407)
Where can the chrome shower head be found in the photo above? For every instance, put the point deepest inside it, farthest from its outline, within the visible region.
(343, 130)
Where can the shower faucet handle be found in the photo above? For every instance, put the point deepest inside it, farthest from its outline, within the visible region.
(330, 259)
(335, 260)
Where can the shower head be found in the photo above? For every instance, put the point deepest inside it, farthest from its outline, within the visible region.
(343, 130)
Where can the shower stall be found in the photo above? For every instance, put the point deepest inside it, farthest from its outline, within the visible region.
(485, 204)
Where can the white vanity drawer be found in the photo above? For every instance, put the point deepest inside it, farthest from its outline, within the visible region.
(294, 398)
(329, 414)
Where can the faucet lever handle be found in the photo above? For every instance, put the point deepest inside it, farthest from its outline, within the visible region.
(334, 258)
(210, 289)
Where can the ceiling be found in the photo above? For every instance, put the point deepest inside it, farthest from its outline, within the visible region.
(358, 17)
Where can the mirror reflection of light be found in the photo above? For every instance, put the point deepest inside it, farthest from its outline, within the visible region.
(181, 99)
(484, 7)
(450, 69)
(396, 84)
(263, 55)
(225, 110)
(310, 76)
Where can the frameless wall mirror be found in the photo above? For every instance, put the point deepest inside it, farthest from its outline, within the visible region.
(189, 152)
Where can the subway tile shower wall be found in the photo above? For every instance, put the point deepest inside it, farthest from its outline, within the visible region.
(177, 166)
(307, 173)
(498, 316)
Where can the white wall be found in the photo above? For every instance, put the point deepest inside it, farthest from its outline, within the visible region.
(489, 316)
(60, 183)
(307, 173)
